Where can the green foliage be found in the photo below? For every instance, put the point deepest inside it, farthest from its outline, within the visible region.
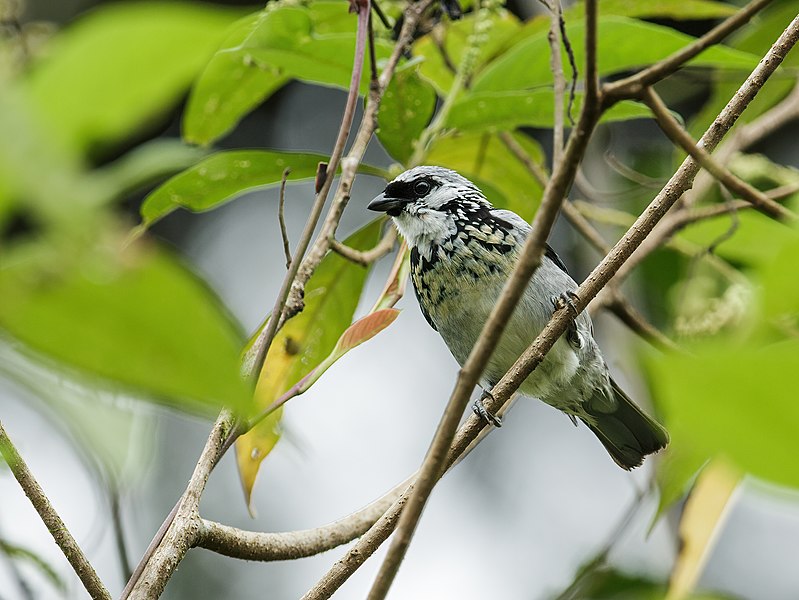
(625, 44)
(314, 43)
(406, 109)
(505, 111)
(133, 316)
(755, 39)
(226, 175)
(121, 67)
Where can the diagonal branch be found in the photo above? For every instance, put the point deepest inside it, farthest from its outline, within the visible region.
(63, 538)
(679, 136)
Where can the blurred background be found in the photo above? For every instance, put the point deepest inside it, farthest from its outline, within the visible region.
(538, 499)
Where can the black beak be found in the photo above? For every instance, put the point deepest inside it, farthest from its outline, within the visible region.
(385, 204)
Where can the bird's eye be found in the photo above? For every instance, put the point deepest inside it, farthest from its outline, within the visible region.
(420, 188)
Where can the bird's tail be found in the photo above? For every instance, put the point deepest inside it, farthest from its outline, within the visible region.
(627, 433)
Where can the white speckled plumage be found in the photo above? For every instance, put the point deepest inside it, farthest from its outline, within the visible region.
(462, 252)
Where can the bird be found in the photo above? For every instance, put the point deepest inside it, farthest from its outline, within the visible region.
(462, 252)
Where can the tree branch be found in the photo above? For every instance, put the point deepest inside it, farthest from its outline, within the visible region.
(290, 545)
(63, 538)
(367, 257)
(679, 136)
(281, 217)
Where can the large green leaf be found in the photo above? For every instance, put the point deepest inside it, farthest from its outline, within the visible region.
(225, 175)
(135, 317)
(405, 111)
(733, 400)
(123, 65)
(484, 158)
(286, 39)
(623, 44)
(331, 297)
(533, 108)
(230, 86)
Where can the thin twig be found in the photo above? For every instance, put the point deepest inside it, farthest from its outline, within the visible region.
(629, 315)
(556, 63)
(261, 345)
(679, 136)
(63, 538)
(529, 260)
(281, 217)
(367, 257)
(572, 63)
(119, 533)
(536, 170)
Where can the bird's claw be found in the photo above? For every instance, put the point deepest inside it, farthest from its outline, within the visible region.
(481, 411)
(566, 300)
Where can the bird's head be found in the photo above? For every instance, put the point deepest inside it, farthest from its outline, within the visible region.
(427, 203)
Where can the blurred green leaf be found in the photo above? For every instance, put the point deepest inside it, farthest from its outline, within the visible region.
(113, 432)
(229, 87)
(225, 175)
(780, 285)
(406, 109)
(484, 158)
(331, 297)
(442, 57)
(733, 400)
(122, 66)
(623, 44)
(534, 108)
(15, 552)
(136, 317)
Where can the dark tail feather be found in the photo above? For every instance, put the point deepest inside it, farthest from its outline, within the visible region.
(627, 433)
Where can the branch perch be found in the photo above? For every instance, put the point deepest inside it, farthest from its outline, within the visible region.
(55, 525)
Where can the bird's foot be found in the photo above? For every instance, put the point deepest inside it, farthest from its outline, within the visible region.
(566, 300)
(481, 411)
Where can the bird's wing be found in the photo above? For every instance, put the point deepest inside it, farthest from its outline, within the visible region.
(524, 228)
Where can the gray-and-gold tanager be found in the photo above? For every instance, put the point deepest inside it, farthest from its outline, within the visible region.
(462, 252)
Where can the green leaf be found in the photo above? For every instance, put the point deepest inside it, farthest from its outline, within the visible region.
(122, 66)
(229, 87)
(406, 109)
(497, 111)
(623, 44)
(680, 10)
(733, 400)
(483, 158)
(331, 296)
(441, 57)
(226, 175)
(756, 238)
(135, 317)
(286, 39)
